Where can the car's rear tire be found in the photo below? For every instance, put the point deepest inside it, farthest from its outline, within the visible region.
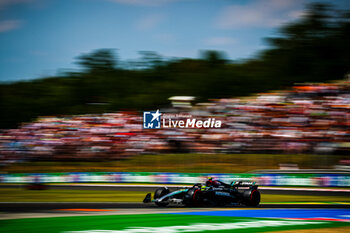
(160, 192)
(251, 197)
(193, 198)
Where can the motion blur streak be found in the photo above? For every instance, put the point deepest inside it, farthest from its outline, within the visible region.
(203, 227)
(310, 118)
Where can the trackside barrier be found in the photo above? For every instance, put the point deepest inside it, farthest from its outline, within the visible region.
(311, 180)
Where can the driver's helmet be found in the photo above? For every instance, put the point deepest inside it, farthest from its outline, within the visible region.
(209, 181)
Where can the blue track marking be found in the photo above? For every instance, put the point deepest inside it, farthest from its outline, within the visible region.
(343, 214)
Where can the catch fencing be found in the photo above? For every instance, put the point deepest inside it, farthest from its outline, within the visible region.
(306, 180)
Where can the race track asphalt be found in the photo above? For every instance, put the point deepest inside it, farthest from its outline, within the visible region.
(47, 206)
(151, 188)
(22, 207)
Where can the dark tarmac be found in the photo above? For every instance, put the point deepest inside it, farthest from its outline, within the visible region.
(47, 206)
(30, 207)
(151, 188)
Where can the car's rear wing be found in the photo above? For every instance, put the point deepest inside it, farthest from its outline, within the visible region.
(249, 184)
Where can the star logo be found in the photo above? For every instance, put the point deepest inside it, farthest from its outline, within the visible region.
(151, 120)
(156, 115)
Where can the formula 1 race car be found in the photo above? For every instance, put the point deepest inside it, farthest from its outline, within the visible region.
(214, 193)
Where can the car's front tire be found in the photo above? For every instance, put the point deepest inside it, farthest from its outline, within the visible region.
(160, 192)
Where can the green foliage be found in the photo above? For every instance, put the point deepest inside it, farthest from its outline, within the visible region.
(314, 49)
(102, 60)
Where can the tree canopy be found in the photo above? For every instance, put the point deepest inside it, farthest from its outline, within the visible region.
(315, 48)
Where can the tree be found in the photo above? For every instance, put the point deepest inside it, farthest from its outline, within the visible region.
(311, 49)
(214, 58)
(150, 59)
(101, 60)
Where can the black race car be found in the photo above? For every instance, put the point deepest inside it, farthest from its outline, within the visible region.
(213, 193)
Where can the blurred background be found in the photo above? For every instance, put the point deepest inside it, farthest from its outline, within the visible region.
(76, 76)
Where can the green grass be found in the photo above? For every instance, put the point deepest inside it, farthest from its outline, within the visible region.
(205, 163)
(61, 195)
(155, 223)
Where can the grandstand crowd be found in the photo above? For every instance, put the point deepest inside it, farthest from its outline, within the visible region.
(309, 118)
